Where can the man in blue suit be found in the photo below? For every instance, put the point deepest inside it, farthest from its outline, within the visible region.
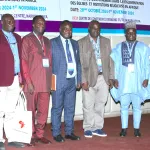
(67, 68)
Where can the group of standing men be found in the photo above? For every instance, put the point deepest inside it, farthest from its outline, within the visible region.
(84, 64)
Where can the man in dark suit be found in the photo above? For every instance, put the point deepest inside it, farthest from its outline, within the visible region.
(36, 65)
(10, 54)
(66, 67)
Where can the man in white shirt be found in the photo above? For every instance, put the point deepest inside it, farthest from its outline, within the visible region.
(66, 67)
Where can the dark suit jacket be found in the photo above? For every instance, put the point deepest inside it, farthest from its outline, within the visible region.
(7, 60)
(59, 65)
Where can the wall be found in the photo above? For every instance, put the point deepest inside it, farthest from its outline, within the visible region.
(112, 109)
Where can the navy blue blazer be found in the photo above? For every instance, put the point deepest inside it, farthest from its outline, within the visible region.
(59, 64)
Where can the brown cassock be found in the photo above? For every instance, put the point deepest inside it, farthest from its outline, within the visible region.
(34, 72)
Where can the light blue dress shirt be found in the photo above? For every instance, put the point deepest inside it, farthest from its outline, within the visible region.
(14, 47)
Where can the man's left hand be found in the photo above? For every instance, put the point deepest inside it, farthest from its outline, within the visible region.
(78, 87)
(111, 82)
(145, 83)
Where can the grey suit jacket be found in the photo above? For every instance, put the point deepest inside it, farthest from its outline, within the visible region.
(88, 61)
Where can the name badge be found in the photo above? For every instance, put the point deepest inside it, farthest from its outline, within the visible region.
(45, 62)
(99, 62)
(70, 66)
(130, 68)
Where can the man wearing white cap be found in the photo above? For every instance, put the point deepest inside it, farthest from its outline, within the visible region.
(131, 60)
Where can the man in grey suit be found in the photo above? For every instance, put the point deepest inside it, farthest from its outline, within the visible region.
(97, 77)
(67, 68)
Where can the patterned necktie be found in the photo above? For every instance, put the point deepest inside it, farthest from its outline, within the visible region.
(69, 57)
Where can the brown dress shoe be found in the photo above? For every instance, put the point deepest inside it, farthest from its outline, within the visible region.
(43, 140)
(32, 143)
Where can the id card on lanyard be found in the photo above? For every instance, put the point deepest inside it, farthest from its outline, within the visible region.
(45, 62)
(70, 67)
(99, 63)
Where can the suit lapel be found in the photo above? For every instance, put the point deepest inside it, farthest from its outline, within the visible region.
(102, 52)
(90, 47)
(89, 44)
(60, 45)
(3, 39)
(101, 47)
(17, 44)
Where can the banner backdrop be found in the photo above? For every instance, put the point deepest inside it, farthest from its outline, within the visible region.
(111, 13)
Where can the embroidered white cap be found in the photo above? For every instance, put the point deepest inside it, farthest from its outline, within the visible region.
(130, 24)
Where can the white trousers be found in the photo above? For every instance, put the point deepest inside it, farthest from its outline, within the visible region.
(94, 102)
(8, 100)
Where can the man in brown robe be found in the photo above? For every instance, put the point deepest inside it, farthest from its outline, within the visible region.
(36, 64)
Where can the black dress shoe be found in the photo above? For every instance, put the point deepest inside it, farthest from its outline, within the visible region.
(123, 132)
(59, 138)
(137, 133)
(16, 144)
(72, 137)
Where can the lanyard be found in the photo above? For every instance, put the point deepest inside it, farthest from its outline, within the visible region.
(130, 49)
(41, 43)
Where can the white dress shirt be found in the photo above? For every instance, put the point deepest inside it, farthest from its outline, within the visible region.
(72, 55)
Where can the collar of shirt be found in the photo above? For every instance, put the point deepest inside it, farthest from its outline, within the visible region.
(92, 40)
(39, 37)
(10, 37)
(8, 34)
(64, 40)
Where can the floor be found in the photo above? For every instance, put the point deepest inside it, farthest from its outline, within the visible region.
(111, 142)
